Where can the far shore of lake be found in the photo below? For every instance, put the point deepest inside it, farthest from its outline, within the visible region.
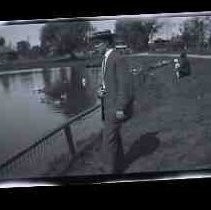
(47, 63)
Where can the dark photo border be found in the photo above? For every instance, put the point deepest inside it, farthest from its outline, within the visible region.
(57, 13)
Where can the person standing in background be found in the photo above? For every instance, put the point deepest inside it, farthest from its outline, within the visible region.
(117, 94)
(184, 68)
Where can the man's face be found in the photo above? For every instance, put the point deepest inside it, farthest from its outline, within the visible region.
(107, 44)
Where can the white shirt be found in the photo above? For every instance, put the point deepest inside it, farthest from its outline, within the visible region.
(108, 52)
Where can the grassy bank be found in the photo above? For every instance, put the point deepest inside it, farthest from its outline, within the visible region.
(197, 52)
(47, 63)
(178, 113)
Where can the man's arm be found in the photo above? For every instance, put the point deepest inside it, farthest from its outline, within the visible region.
(123, 83)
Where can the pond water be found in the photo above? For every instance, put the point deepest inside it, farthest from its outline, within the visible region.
(37, 100)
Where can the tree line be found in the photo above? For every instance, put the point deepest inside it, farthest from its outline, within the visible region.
(56, 39)
(61, 38)
(194, 33)
(68, 38)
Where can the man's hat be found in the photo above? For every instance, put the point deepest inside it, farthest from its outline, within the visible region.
(103, 35)
(183, 54)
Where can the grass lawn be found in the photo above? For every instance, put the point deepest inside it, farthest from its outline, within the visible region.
(181, 114)
(171, 127)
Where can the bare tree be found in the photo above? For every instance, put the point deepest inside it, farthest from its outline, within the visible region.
(194, 32)
(137, 33)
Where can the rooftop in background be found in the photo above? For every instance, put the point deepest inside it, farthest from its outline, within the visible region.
(101, 34)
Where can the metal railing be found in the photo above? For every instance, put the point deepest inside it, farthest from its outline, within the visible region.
(66, 128)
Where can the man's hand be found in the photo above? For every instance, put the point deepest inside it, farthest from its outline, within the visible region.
(101, 93)
(120, 115)
(176, 63)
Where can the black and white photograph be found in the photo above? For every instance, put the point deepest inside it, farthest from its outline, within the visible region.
(111, 95)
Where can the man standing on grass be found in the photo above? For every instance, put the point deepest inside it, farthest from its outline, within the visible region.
(184, 68)
(117, 94)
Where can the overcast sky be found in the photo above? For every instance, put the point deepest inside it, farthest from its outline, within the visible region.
(170, 26)
(31, 32)
(17, 33)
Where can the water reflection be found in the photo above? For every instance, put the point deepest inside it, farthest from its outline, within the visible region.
(47, 77)
(42, 101)
(70, 90)
(27, 80)
(5, 81)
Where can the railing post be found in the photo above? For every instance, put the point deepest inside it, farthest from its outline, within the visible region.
(5, 167)
(102, 109)
(69, 138)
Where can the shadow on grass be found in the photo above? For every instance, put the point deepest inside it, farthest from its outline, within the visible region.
(144, 146)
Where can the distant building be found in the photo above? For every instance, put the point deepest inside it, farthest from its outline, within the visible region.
(102, 34)
(163, 45)
(159, 45)
(177, 43)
